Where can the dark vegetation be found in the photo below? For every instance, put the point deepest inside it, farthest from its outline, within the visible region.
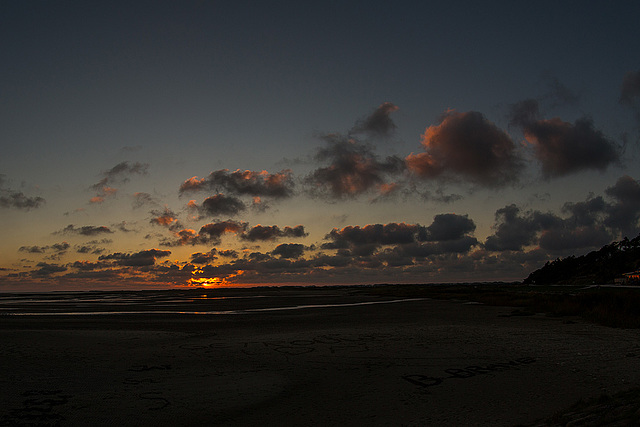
(597, 267)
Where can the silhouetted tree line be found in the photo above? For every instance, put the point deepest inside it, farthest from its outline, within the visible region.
(597, 267)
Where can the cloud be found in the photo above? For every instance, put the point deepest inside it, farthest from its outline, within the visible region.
(56, 251)
(264, 233)
(524, 113)
(88, 265)
(289, 250)
(467, 146)
(228, 253)
(562, 239)
(397, 247)
(165, 218)
(218, 204)
(204, 258)
(17, 200)
(448, 233)
(138, 259)
(48, 269)
(563, 148)
(276, 185)
(33, 249)
(404, 254)
(587, 224)
(183, 237)
(449, 227)
(213, 232)
(624, 213)
(353, 169)
(102, 194)
(89, 249)
(375, 234)
(630, 89)
(87, 230)
(379, 122)
(119, 173)
(11, 199)
(514, 231)
(123, 170)
(143, 199)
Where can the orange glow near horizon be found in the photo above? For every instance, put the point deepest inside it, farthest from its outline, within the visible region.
(205, 282)
(208, 282)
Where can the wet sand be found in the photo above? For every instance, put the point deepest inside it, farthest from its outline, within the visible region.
(418, 362)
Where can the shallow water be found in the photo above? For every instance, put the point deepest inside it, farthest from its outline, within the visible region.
(226, 302)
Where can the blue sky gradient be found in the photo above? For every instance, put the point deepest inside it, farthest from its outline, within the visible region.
(430, 142)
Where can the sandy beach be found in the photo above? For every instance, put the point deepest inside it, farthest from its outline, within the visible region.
(330, 362)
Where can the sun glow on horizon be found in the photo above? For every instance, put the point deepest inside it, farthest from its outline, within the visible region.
(208, 282)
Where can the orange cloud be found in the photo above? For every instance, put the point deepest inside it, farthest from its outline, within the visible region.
(469, 146)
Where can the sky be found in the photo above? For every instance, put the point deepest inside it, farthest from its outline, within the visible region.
(161, 144)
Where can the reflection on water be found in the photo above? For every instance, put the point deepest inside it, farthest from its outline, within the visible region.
(229, 301)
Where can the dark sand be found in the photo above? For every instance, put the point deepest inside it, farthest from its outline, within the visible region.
(423, 362)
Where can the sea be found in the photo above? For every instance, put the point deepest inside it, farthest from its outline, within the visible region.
(200, 301)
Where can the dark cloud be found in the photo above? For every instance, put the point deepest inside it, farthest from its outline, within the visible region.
(423, 250)
(212, 232)
(587, 213)
(117, 174)
(228, 253)
(122, 226)
(353, 169)
(121, 173)
(143, 199)
(624, 213)
(448, 233)
(57, 249)
(17, 200)
(630, 90)
(467, 146)
(184, 237)
(375, 234)
(48, 269)
(277, 185)
(588, 224)
(87, 230)
(524, 113)
(11, 199)
(569, 239)
(332, 261)
(219, 204)
(88, 265)
(204, 257)
(138, 259)
(89, 249)
(289, 250)
(60, 247)
(449, 227)
(563, 148)
(379, 122)
(272, 232)
(514, 231)
(33, 249)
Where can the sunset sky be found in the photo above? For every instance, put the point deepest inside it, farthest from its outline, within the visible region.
(156, 144)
